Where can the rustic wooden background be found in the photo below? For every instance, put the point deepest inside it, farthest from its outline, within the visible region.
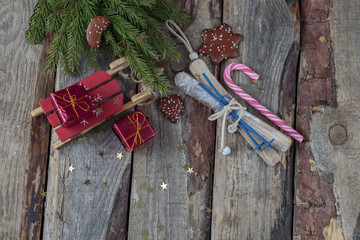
(307, 54)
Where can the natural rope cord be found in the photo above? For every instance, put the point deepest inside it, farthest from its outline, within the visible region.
(182, 37)
(233, 105)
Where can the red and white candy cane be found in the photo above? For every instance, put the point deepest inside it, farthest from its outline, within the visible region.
(266, 112)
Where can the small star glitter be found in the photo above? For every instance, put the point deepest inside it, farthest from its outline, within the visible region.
(150, 189)
(220, 43)
(190, 170)
(120, 156)
(262, 90)
(43, 194)
(83, 139)
(117, 101)
(71, 168)
(140, 206)
(185, 167)
(99, 111)
(168, 166)
(145, 234)
(163, 177)
(208, 210)
(144, 150)
(163, 186)
(181, 147)
(104, 185)
(87, 182)
(101, 153)
(160, 227)
(101, 133)
(143, 186)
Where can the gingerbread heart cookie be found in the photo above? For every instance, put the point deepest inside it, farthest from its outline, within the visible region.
(171, 107)
(220, 43)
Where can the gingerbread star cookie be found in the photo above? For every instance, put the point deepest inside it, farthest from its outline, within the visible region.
(220, 43)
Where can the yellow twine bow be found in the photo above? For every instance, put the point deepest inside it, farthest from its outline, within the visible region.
(73, 102)
(233, 105)
(138, 126)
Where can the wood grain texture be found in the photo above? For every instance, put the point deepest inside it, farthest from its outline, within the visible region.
(98, 209)
(182, 208)
(328, 200)
(250, 198)
(24, 142)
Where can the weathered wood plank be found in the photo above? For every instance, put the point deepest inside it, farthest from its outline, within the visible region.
(327, 166)
(24, 142)
(251, 199)
(92, 201)
(180, 212)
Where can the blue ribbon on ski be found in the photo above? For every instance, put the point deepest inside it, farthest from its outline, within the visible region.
(247, 129)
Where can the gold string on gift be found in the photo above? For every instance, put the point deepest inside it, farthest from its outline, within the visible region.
(138, 126)
(73, 102)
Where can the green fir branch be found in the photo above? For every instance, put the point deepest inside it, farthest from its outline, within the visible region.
(36, 32)
(136, 32)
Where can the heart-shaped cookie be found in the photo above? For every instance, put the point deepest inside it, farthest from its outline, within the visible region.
(171, 107)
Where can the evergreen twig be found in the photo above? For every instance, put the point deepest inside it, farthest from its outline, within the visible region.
(135, 32)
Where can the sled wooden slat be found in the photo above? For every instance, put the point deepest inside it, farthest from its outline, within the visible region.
(46, 105)
(94, 80)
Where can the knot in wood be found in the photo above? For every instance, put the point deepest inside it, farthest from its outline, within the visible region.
(338, 134)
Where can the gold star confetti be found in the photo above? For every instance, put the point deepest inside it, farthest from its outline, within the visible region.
(163, 186)
(190, 170)
(262, 90)
(168, 166)
(145, 234)
(208, 210)
(144, 150)
(181, 147)
(104, 185)
(163, 177)
(164, 239)
(43, 194)
(117, 101)
(185, 167)
(146, 112)
(120, 156)
(101, 153)
(150, 189)
(143, 186)
(71, 168)
(140, 206)
(101, 133)
(87, 182)
(160, 227)
(82, 139)
(99, 110)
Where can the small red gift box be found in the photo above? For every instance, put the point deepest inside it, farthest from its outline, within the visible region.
(133, 130)
(72, 104)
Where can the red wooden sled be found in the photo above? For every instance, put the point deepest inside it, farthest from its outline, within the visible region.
(105, 94)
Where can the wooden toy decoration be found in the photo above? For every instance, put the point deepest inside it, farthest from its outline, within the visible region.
(207, 89)
(86, 104)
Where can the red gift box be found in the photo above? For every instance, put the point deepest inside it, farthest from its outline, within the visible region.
(133, 130)
(72, 104)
